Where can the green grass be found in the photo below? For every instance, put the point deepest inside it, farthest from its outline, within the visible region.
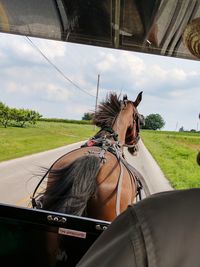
(174, 152)
(17, 142)
(176, 155)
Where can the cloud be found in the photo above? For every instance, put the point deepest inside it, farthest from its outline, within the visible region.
(181, 109)
(132, 63)
(51, 49)
(179, 74)
(171, 87)
(106, 63)
(42, 90)
(21, 48)
(124, 61)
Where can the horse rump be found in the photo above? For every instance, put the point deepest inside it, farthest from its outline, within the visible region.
(70, 187)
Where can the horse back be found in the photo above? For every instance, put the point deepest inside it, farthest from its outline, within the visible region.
(102, 205)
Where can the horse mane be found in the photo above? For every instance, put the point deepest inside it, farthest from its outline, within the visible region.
(107, 110)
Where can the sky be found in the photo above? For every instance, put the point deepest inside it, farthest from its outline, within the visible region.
(171, 87)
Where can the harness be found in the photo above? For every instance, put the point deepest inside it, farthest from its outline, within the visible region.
(113, 146)
(105, 143)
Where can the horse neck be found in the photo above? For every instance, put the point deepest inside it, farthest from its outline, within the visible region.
(121, 125)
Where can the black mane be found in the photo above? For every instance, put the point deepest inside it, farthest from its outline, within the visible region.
(107, 111)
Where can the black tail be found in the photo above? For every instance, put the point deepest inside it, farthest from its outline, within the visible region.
(72, 186)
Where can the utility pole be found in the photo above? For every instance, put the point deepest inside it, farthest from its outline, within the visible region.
(176, 126)
(198, 123)
(97, 95)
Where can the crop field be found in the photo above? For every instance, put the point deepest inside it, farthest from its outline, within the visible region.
(176, 154)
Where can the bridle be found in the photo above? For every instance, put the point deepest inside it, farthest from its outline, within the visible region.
(134, 140)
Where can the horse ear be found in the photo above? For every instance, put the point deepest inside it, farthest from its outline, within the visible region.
(138, 99)
(124, 102)
(125, 97)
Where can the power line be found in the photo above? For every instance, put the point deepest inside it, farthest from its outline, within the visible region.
(97, 95)
(56, 68)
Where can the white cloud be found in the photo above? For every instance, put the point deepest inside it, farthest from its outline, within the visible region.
(12, 87)
(132, 63)
(77, 110)
(21, 47)
(44, 90)
(56, 94)
(107, 62)
(51, 49)
(170, 89)
(124, 62)
(178, 74)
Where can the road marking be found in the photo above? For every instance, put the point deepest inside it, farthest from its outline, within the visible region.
(27, 200)
(23, 201)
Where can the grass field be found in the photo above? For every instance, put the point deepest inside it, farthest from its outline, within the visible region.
(176, 155)
(174, 152)
(17, 142)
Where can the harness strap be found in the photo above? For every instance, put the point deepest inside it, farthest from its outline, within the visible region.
(113, 147)
(136, 141)
(137, 177)
(119, 189)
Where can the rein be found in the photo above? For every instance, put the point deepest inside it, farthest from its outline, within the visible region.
(33, 198)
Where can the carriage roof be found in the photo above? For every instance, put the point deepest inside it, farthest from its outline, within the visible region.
(161, 27)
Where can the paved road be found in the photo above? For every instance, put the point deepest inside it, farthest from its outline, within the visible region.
(147, 166)
(18, 177)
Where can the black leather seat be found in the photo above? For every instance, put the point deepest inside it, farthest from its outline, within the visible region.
(162, 230)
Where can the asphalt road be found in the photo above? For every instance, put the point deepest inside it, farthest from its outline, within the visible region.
(19, 177)
(147, 166)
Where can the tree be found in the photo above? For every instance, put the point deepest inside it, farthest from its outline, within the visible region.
(5, 115)
(87, 116)
(154, 122)
(24, 116)
(181, 129)
(19, 117)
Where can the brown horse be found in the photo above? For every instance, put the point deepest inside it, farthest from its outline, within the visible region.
(95, 180)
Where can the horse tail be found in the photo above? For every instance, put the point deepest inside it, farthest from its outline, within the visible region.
(72, 186)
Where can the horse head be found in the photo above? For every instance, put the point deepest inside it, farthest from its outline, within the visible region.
(131, 119)
(122, 116)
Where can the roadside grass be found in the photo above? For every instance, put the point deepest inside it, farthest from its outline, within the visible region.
(176, 154)
(17, 142)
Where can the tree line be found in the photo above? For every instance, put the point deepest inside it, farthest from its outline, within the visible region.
(17, 117)
(150, 122)
(21, 117)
